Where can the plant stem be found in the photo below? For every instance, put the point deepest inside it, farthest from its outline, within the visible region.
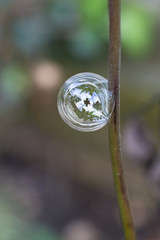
(114, 125)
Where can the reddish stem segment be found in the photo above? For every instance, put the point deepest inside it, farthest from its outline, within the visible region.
(114, 125)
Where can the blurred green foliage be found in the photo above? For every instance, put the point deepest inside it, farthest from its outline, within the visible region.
(14, 81)
(14, 227)
(137, 30)
(95, 16)
(138, 25)
(14, 86)
(80, 26)
(65, 29)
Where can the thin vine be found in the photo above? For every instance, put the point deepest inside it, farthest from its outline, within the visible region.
(114, 125)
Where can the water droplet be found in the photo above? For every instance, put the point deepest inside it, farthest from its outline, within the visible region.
(85, 103)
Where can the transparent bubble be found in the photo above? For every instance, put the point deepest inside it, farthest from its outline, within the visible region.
(84, 102)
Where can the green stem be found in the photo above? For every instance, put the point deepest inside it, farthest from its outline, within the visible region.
(114, 125)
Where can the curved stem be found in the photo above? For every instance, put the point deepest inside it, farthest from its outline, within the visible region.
(114, 125)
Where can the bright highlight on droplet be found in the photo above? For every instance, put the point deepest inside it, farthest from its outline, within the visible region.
(84, 102)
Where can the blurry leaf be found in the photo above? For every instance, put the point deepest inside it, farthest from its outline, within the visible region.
(95, 16)
(85, 45)
(14, 81)
(43, 233)
(93, 11)
(14, 85)
(64, 16)
(11, 227)
(137, 30)
(32, 33)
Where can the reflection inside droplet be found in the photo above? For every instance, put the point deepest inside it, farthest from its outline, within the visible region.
(84, 102)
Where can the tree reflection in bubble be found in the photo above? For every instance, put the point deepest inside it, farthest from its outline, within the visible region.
(84, 102)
